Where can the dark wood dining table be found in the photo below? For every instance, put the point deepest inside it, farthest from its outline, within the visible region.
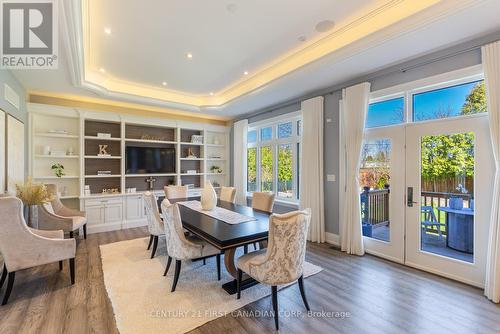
(227, 237)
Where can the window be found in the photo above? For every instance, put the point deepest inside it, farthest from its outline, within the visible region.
(252, 169)
(273, 157)
(383, 113)
(458, 100)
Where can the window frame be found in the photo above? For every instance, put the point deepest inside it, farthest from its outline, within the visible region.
(440, 81)
(275, 143)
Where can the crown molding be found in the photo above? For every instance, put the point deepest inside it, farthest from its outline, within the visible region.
(390, 21)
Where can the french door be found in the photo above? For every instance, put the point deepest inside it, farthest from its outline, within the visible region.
(381, 176)
(447, 230)
(413, 217)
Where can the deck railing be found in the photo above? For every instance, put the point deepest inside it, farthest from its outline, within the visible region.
(375, 206)
(436, 199)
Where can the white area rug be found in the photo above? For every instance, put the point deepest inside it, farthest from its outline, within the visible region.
(141, 297)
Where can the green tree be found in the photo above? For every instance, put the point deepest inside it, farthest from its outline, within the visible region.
(266, 169)
(475, 101)
(252, 169)
(284, 167)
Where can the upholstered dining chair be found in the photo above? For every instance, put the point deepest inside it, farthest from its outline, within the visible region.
(56, 216)
(172, 192)
(181, 247)
(263, 201)
(228, 194)
(283, 260)
(23, 247)
(155, 224)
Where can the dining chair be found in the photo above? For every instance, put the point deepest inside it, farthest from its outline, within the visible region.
(263, 201)
(183, 247)
(173, 192)
(228, 194)
(54, 215)
(155, 224)
(23, 247)
(283, 260)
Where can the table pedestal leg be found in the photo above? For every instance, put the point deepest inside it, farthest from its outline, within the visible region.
(230, 287)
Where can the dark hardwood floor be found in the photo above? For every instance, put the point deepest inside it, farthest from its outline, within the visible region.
(373, 295)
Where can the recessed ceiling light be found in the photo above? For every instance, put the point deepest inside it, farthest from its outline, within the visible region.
(232, 7)
(102, 70)
(245, 73)
(189, 55)
(107, 31)
(211, 93)
(164, 83)
(324, 26)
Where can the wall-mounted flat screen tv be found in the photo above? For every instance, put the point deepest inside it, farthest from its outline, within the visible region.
(149, 160)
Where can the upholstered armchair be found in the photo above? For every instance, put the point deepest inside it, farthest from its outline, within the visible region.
(155, 224)
(172, 192)
(228, 194)
(181, 247)
(56, 216)
(283, 260)
(263, 201)
(23, 247)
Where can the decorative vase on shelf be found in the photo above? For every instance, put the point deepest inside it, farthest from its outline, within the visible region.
(208, 197)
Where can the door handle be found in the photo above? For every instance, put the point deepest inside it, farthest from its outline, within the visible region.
(409, 197)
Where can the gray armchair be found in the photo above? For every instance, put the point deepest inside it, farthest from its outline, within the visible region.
(23, 247)
(56, 216)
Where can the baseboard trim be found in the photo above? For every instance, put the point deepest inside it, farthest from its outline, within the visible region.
(91, 229)
(333, 239)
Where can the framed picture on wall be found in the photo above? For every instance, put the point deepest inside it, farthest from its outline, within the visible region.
(15, 152)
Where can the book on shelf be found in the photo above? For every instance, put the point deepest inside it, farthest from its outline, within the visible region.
(103, 172)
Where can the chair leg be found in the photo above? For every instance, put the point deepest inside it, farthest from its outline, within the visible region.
(204, 261)
(72, 270)
(4, 275)
(150, 241)
(255, 245)
(218, 267)
(10, 284)
(245, 249)
(303, 292)
(168, 266)
(176, 275)
(71, 234)
(238, 283)
(60, 265)
(85, 231)
(274, 290)
(155, 244)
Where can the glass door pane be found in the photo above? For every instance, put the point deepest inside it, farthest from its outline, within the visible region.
(375, 179)
(447, 195)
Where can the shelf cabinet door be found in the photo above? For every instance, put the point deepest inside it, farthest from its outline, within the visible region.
(95, 214)
(113, 213)
(135, 207)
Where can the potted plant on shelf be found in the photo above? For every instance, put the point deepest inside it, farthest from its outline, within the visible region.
(58, 170)
(216, 169)
(32, 194)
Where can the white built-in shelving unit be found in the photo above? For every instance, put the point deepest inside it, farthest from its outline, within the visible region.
(122, 209)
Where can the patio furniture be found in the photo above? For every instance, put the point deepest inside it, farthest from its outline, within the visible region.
(460, 228)
(430, 221)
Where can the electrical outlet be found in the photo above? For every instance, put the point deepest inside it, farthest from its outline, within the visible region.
(330, 178)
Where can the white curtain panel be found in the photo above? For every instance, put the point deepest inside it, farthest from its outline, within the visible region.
(311, 166)
(491, 65)
(354, 109)
(240, 160)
